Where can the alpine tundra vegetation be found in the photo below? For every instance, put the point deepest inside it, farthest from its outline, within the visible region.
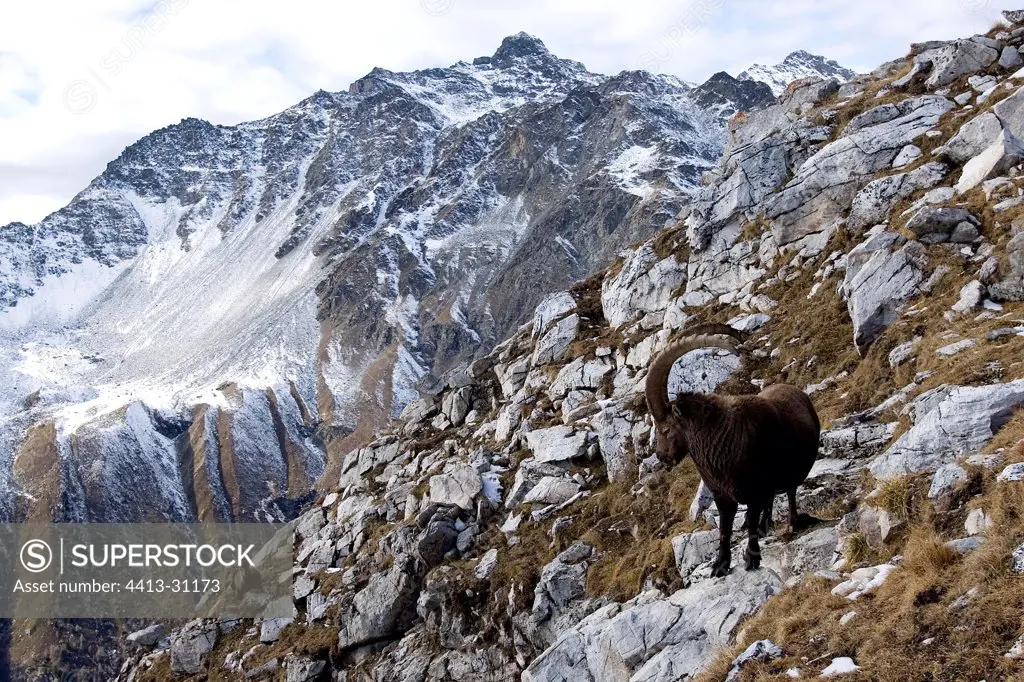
(865, 233)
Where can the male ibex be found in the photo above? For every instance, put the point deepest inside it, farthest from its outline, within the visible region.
(747, 448)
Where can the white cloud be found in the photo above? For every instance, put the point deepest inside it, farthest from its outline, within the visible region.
(130, 66)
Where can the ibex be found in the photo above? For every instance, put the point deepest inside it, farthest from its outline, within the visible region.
(747, 448)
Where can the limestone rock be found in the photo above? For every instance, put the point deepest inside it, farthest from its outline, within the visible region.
(903, 352)
(191, 644)
(1005, 152)
(831, 177)
(488, 562)
(554, 344)
(977, 522)
(147, 636)
(270, 629)
(456, 404)
(1010, 113)
(702, 501)
(459, 487)
(761, 650)
(946, 480)
(693, 549)
(580, 373)
(701, 371)
(1012, 473)
(614, 436)
(872, 204)
(858, 441)
(559, 600)
(645, 284)
(557, 443)
(907, 155)
(960, 422)
(529, 473)
(877, 289)
(653, 638)
(303, 669)
(810, 552)
(385, 606)
(933, 223)
(974, 137)
(552, 490)
(957, 58)
(553, 307)
(970, 297)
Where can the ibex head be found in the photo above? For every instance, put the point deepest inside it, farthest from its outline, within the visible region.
(668, 418)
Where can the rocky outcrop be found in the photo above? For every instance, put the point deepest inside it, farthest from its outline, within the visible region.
(653, 637)
(832, 177)
(882, 274)
(950, 422)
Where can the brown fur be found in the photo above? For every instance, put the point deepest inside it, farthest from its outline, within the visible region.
(747, 448)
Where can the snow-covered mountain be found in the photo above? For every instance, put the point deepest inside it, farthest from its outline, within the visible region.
(226, 310)
(799, 64)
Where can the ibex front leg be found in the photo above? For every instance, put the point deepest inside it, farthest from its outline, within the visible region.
(752, 521)
(726, 516)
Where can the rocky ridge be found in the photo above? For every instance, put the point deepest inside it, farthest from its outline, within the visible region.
(867, 236)
(796, 65)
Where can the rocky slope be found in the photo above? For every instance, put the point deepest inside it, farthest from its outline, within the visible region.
(869, 238)
(226, 300)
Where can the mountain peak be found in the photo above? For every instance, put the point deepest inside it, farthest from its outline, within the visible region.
(521, 44)
(796, 65)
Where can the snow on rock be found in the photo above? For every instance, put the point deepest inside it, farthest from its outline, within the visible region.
(863, 581)
(840, 666)
(761, 650)
(796, 65)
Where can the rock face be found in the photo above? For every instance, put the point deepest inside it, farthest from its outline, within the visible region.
(654, 638)
(881, 277)
(872, 204)
(645, 284)
(381, 608)
(459, 487)
(833, 176)
(955, 59)
(557, 444)
(959, 420)
(190, 646)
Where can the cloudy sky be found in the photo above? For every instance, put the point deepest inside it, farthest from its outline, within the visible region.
(81, 80)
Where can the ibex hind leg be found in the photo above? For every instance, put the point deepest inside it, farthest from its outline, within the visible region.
(798, 521)
(726, 516)
(766, 520)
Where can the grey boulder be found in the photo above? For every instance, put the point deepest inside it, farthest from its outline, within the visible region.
(959, 421)
(653, 638)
